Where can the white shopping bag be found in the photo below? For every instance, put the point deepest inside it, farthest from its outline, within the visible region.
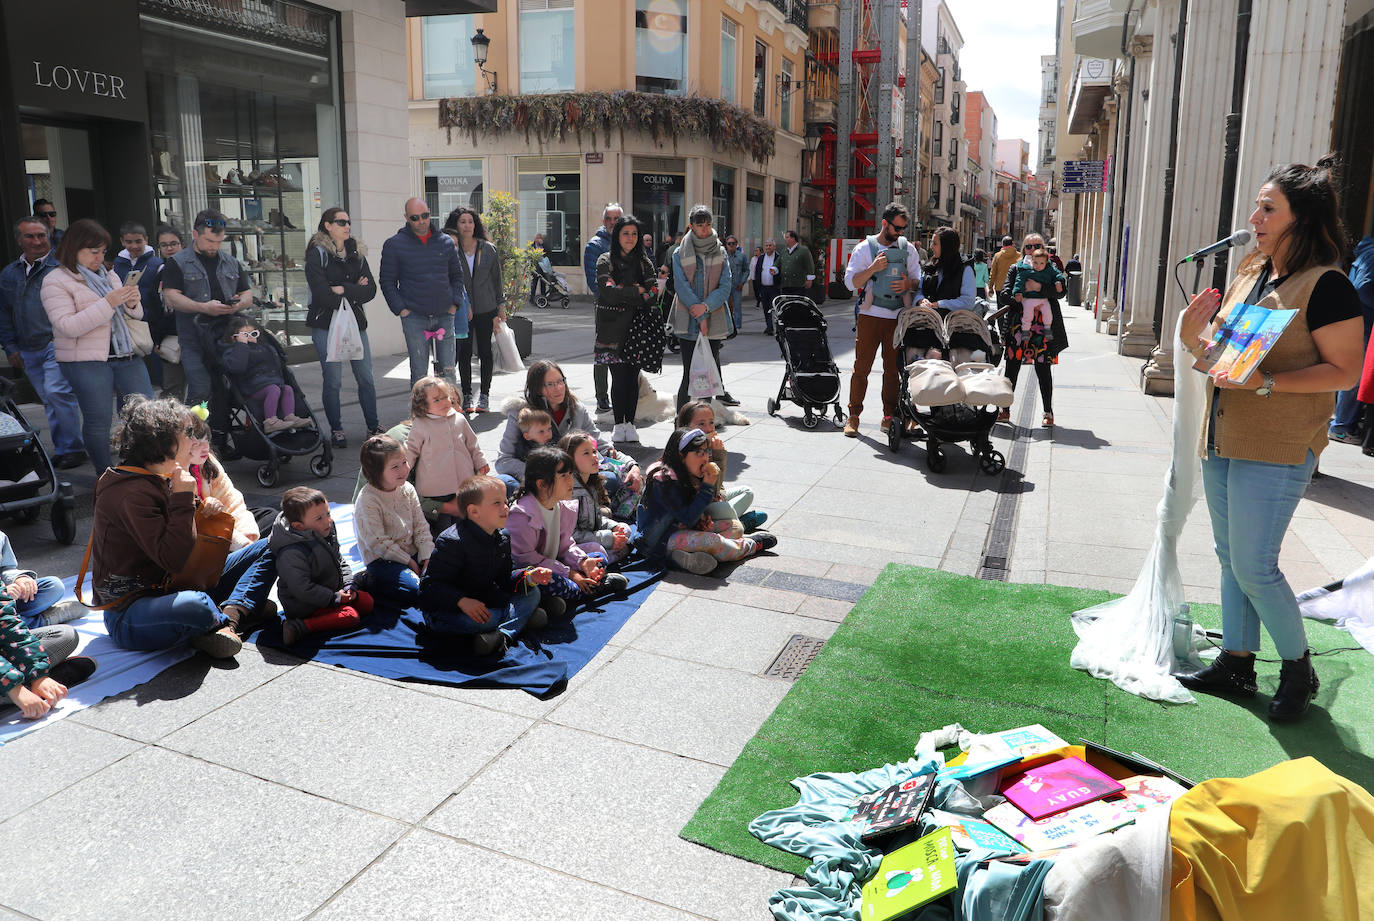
(704, 381)
(507, 354)
(345, 339)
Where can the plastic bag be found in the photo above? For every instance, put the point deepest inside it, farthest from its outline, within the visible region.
(169, 349)
(507, 354)
(705, 381)
(345, 339)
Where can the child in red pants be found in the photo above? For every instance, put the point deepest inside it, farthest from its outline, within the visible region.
(314, 584)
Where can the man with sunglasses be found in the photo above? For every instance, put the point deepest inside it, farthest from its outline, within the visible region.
(48, 212)
(200, 283)
(739, 277)
(882, 270)
(423, 285)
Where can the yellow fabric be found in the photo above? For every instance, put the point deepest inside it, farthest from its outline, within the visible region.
(1291, 843)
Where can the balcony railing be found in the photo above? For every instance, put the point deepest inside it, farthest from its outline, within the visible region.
(286, 22)
(794, 11)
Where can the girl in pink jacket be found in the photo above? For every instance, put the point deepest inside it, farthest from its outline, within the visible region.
(541, 526)
(441, 447)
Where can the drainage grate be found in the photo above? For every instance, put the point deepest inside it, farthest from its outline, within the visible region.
(997, 550)
(797, 653)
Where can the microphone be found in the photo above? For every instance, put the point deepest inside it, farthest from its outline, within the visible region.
(1239, 238)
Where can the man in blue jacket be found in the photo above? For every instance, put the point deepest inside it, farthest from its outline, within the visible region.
(598, 244)
(137, 254)
(26, 336)
(423, 285)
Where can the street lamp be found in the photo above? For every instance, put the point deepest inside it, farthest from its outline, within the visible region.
(812, 140)
(480, 43)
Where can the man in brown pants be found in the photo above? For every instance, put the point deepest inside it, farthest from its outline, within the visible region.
(882, 269)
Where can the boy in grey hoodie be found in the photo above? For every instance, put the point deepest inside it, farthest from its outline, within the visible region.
(314, 584)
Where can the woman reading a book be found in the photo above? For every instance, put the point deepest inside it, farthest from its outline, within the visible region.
(1261, 437)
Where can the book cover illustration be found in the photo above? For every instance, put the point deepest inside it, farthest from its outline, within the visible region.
(969, 833)
(969, 769)
(1023, 742)
(1057, 786)
(1240, 344)
(1144, 792)
(893, 808)
(1058, 831)
(910, 877)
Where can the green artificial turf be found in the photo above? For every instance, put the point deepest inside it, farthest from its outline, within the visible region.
(924, 648)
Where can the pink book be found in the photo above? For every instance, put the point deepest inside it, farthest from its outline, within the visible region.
(1051, 788)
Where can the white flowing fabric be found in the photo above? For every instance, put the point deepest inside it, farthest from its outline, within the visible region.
(1129, 641)
(1350, 607)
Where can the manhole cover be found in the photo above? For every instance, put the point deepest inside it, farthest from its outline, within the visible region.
(799, 652)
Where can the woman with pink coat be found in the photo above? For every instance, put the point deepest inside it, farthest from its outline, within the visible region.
(88, 306)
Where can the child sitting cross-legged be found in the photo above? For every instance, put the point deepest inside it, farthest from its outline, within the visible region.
(441, 446)
(541, 527)
(731, 501)
(595, 530)
(473, 587)
(314, 584)
(673, 524)
(37, 666)
(393, 535)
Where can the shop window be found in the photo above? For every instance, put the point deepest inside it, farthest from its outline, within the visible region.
(729, 58)
(253, 131)
(549, 193)
(785, 110)
(781, 192)
(546, 46)
(657, 195)
(446, 55)
(661, 46)
(753, 211)
(760, 78)
(723, 198)
(452, 184)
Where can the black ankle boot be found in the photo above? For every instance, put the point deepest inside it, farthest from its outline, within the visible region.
(1227, 676)
(1297, 686)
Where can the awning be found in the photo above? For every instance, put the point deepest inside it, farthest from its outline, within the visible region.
(448, 7)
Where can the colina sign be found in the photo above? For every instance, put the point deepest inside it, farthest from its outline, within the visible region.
(80, 80)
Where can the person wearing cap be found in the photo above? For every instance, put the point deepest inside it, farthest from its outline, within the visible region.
(701, 285)
(202, 282)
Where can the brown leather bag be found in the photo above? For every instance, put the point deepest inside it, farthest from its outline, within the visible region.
(203, 567)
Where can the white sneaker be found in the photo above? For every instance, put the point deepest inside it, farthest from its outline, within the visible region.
(630, 435)
(618, 432)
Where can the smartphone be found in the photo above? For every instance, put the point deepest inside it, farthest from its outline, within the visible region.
(133, 277)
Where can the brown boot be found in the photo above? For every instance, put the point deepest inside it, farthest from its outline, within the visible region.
(851, 426)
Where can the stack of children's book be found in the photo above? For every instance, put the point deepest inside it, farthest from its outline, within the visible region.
(1054, 798)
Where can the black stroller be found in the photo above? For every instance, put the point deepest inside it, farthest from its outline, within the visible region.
(548, 286)
(922, 334)
(28, 480)
(245, 423)
(811, 379)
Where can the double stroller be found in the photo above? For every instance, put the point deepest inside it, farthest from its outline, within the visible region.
(951, 390)
(244, 422)
(810, 379)
(548, 286)
(28, 480)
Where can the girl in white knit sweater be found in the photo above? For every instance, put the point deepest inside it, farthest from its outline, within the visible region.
(393, 535)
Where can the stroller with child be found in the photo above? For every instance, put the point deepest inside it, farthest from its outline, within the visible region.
(951, 389)
(548, 286)
(28, 480)
(811, 379)
(245, 424)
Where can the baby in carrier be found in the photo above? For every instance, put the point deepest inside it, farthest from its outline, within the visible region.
(256, 369)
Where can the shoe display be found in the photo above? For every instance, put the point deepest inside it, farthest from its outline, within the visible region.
(223, 643)
(212, 174)
(1298, 684)
(1227, 676)
(753, 520)
(851, 427)
(486, 644)
(234, 177)
(697, 562)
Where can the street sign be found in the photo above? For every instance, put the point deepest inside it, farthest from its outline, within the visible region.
(596, 157)
(1084, 176)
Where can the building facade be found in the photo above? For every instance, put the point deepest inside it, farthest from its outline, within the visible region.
(750, 53)
(980, 135)
(267, 110)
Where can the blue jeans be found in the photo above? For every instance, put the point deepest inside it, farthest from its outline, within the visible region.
(162, 621)
(94, 382)
(737, 307)
(50, 592)
(394, 582)
(59, 403)
(417, 346)
(333, 381)
(1346, 421)
(512, 485)
(510, 620)
(198, 384)
(1248, 535)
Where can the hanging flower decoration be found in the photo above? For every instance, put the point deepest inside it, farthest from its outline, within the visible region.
(544, 116)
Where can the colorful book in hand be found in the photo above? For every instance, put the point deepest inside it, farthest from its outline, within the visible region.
(891, 809)
(1057, 786)
(1241, 342)
(910, 877)
(1058, 831)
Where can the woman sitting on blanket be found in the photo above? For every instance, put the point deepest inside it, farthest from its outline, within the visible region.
(143, 532)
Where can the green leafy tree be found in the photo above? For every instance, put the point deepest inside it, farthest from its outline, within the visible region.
(501, 219)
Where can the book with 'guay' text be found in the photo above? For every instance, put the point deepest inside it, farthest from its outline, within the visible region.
(1057, 786)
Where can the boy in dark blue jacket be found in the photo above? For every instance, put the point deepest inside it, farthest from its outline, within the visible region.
(472, 587)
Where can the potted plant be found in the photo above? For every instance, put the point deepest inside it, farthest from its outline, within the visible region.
(517, 265)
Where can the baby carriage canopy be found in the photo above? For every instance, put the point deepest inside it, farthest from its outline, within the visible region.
(962, 327)
(797, 312)
(916, 320)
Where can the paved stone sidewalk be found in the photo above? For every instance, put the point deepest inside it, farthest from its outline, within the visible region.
(275, 789)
